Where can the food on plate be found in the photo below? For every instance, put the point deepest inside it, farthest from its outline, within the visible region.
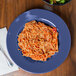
(57, 1)
(38, 41)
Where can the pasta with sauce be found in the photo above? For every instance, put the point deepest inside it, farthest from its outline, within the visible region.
(38, 41)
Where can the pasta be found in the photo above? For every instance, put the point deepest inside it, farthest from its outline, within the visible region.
(38, 41)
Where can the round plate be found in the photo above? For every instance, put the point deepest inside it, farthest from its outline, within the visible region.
(48, 18)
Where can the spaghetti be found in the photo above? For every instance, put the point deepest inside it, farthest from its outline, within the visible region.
(38, 41)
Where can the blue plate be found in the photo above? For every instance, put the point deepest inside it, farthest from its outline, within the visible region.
(48, 18)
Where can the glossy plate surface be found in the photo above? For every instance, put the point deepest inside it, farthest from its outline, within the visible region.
(48, 18)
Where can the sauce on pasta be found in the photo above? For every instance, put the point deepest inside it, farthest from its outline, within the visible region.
(38, 41)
